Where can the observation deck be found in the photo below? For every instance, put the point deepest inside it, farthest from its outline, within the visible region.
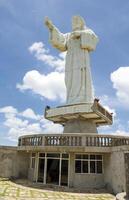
(95, 112)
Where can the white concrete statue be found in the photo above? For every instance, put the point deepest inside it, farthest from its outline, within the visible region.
(78, 45)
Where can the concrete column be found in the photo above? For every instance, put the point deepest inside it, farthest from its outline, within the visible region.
(36, 168)
(71, 169)
(80, 126)
(43, 141)
(84, 140)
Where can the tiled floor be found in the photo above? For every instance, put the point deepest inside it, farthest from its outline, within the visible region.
(13, 191)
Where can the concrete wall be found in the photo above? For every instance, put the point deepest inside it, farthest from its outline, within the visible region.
(114, 171)
(113, 176)
(13, 163)
(88, 181)
(23, 164)
(84, 180)
(8, 165)
(33, 173)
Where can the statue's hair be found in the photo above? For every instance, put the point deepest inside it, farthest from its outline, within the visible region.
(82, 21)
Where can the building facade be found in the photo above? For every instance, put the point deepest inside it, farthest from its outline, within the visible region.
(79, 161)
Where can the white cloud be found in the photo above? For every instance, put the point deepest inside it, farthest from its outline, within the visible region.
(15, 122)
(15, 132)
(119, 128)
(11, 111)
(29, 113)
(120, 79)
(50, 127)
(50, 86)
(116, 129)
(123, 133)
(18, 125)
(111, 110)
(8, 109)
(120, 133)
(42, 54)
(105, 101)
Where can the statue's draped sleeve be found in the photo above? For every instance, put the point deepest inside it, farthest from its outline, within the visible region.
(89, 40)
(58, 39)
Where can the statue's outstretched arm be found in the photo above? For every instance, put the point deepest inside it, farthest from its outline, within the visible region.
(57, 39)
(49, 24)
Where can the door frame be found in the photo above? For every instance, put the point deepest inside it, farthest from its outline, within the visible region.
(45, 167)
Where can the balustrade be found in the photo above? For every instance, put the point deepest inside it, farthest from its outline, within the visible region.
(73, 140)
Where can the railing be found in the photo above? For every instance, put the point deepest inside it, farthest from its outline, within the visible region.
(73, 140)
(102, 110)
(63, 141)
(31, 141)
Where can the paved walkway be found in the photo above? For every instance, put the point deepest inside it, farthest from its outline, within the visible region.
(12, 191)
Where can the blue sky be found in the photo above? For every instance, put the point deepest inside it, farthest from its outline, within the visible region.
(29, 65)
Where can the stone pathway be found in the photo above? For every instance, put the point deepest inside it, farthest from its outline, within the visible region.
(12, 191)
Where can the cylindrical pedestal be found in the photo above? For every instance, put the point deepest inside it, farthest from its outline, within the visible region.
(80, 126)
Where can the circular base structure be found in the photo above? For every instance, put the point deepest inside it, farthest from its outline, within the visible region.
(95, 112)
(121, 196)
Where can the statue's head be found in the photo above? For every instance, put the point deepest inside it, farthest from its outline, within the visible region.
(78, 23)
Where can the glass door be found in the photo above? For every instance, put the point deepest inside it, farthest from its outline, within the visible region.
(64, 172)
(41, 170)
(53, 171)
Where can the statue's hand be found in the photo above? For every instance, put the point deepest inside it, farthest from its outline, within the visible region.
(49, 23)
(76, 34)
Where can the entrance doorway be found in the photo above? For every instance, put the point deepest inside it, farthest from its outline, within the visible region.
(53, 171)
(41, 170)
(53, 168)
(64, 172)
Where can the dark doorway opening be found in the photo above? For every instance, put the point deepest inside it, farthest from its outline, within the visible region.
(41, 170)
(53, 168)
(64, 173)
(53, 171)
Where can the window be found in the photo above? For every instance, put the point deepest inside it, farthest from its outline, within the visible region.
(65, 155)
(85, 167)
(92, 166)
(32, 165)
(53, 155)
(85, 163)
(78, 166)
(99, 167)
(42, 155)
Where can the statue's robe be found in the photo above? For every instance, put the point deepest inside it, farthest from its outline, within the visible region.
(78, 78)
